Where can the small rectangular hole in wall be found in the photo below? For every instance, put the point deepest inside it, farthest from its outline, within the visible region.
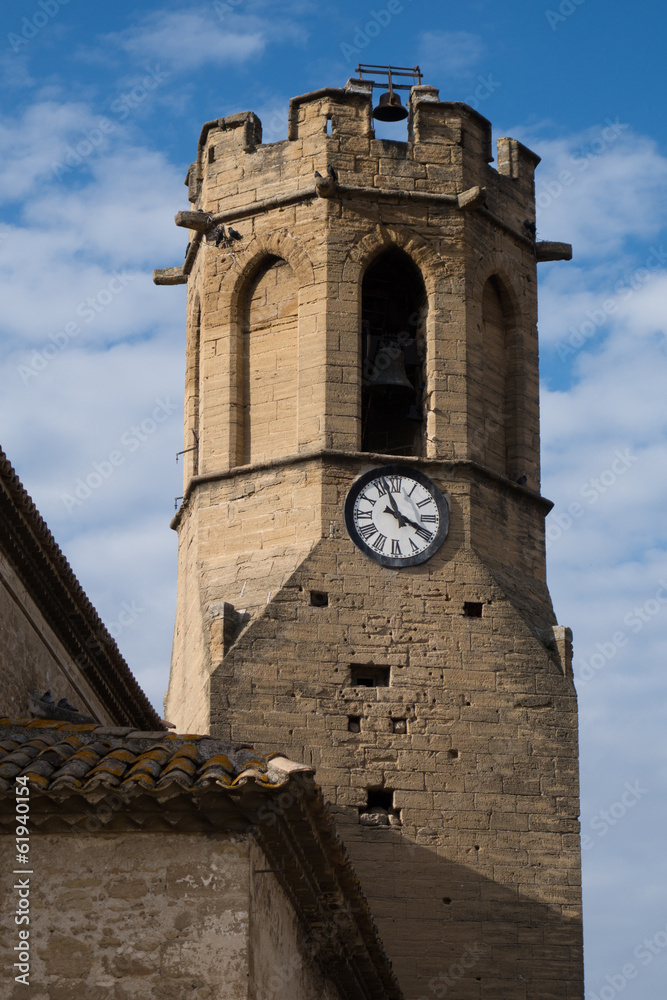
(399, 726)
(319, 599)
(379, 809)
(329, 127)
(353, 724)
(472, 609)
(211, 154)
(369, 676)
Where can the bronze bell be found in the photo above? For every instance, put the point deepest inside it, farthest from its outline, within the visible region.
(390, 108)
(388, 371)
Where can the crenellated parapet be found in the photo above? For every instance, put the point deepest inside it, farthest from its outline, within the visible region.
(447, 153)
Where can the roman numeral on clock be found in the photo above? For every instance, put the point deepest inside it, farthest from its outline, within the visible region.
(422, 503)
(378, 543)
(366, 515)
(367, 531)
(423, 533)
(429, 518)
(395, 547)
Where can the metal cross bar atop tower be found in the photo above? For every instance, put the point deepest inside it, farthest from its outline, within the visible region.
(390, 72)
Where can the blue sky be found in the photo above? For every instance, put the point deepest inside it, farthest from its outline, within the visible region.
(102, 107)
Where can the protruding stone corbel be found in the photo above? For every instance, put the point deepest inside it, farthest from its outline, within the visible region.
(170, 276)
(472, 197)
(558, 641)
(199, 221)
(553, 251)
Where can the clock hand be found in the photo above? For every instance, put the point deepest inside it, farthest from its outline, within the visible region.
(412, 523)
(395, 511)
(399, 517)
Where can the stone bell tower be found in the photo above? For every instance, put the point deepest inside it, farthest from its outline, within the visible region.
(367, 308)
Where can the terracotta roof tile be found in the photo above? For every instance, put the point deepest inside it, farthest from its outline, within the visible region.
(58, 756)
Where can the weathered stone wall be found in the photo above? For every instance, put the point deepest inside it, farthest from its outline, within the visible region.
(32, 658)
(245, 537)
(135, 915)
(269, 380)
(474, 737)
(279, 966)
(493, 383)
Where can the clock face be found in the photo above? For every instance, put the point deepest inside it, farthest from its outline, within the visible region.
(396, 515)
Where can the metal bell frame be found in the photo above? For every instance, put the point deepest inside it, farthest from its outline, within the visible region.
(389, 107)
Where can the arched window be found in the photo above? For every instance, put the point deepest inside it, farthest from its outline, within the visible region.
(269, 366)
(393, 318)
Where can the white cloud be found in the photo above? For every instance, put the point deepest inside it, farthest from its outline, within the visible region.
(14, 72)
(106, 218)
(604, 437)
(196, 36)
(599, 188)
(94, 439)
(81, 397)
(29, 146)
(136, 607)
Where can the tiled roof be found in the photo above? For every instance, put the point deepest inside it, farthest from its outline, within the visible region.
(26, 540)
(90, 778)
(60, 757)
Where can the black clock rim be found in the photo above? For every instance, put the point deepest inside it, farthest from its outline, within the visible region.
(393, 470)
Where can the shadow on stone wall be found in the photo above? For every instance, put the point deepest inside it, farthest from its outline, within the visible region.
(452, 931)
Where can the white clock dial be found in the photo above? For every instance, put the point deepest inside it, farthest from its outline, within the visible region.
(396, 515)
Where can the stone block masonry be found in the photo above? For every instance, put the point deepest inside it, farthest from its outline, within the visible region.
(436, 701)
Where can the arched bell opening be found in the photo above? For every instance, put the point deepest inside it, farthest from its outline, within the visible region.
(393, 322)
